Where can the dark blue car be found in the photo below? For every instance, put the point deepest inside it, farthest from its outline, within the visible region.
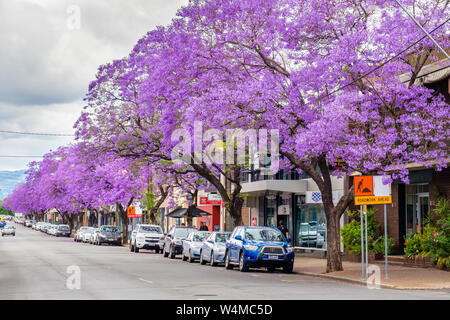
(256, 247)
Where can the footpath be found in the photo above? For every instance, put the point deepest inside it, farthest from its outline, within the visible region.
(400, 277)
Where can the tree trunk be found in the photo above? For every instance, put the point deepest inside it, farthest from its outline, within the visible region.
(152, 215)
(334, 257)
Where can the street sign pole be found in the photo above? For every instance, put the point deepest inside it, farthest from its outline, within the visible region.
(386, 276)
(367, 245)
(362, 243)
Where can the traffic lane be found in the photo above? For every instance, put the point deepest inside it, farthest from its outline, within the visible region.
(38, 265)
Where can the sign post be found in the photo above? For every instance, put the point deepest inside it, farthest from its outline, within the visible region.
(372, 190)
(386, 276)
(362, 243)
(367, 242)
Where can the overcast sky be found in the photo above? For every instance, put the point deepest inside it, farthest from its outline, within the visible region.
(50, 51)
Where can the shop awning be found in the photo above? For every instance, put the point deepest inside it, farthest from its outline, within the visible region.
(182, 212)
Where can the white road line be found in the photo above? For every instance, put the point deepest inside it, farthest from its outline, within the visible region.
(148, 281)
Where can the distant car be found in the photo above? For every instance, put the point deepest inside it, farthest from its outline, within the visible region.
(87, 234)
(52, 230)
(39, 225)
(173, 241)
(63, 230)
(192, 245)
(213, 248)
(29, 223)
(94, 236)
(45, 228)
(259, 247)
(79, 234)
(146, 236)
(9, 230)
(109, 235)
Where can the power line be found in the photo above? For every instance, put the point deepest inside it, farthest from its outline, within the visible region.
(4, 156)
(387, 61)
(38, 133)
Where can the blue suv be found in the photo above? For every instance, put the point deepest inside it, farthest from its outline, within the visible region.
(257, 247)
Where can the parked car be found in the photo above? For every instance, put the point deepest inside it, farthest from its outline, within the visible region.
(146, 236)
(29, 223)
(109, 235)
(52, 229)
(255, 247)
(9, 230)
(213, 248)
(161, 240)
(62, 230)
(94, 236)
(87, 234)
(78, 237)
(2, 224)
(45, 228)
(39, 225)
(173, 242)
(193, 244)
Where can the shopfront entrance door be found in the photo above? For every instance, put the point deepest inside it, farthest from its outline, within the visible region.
(422, 211)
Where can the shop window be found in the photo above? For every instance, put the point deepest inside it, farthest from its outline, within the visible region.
(310, 230)
(271, 206)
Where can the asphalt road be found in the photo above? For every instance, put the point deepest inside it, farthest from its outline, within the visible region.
(34, 266)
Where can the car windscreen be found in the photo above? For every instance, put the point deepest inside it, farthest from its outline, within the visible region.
(264, 235)
(200, 237)
(150, 229)
(89, 231)
(222, 237)
(64, 228)
(108, 229)
(183, 232)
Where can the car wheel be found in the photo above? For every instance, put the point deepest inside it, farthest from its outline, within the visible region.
(270, 269)
(165, 254)
(202, 261)
(211, 259)
(171, 253)
(136, 249)
(183, 256)
(190, 259)
(243, 267)
(156, 250)
(228, 264)
(131, 247)
(288, 269)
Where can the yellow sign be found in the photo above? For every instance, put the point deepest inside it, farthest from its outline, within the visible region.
(372, 200)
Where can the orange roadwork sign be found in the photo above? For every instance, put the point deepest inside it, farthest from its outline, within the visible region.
(363, 186)
(131, 212)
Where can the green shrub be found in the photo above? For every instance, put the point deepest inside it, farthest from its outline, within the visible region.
(351, 234)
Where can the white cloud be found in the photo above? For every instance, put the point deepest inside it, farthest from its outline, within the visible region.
(46, 66)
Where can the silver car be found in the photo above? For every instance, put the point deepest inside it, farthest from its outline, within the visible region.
(9, 230)
(87, 234)
(213, 248)
(193, 244)
(79, 234)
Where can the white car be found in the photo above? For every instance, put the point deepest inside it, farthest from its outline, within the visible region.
(9, 230)
(87, 234)
(79, 234)
(146, 236)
